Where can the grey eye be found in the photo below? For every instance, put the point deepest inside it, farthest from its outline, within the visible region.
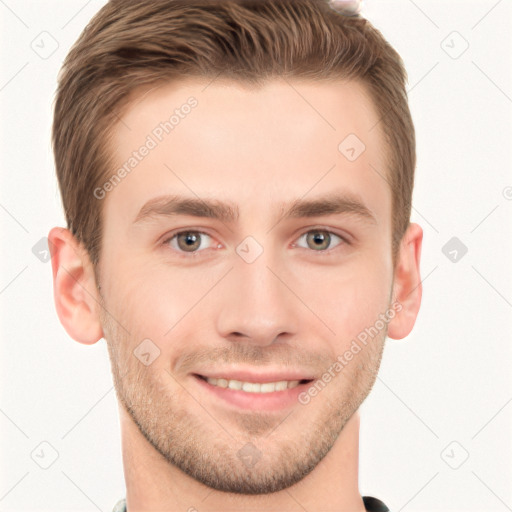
(188, 241)
(319, 239)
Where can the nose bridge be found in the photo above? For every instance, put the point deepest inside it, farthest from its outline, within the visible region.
(255, 302)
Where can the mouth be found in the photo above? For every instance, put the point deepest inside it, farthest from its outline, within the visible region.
(253, 387)
(271, 395)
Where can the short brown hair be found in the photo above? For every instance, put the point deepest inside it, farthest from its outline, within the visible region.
(129, 44)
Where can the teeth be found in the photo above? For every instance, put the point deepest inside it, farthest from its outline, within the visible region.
(254, 387)
(223, 383)
(233, 384)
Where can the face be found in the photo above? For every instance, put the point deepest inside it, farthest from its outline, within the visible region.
(244, 245)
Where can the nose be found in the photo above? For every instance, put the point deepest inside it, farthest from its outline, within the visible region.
(255, 304)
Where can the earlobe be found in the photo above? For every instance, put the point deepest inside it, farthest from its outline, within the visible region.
(74, 287)
(407, 288)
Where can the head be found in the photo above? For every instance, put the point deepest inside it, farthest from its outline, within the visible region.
(237, 181)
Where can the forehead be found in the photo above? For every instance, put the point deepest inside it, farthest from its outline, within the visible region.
(253, 146)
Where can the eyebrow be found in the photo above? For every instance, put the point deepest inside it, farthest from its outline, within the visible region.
(173, 205)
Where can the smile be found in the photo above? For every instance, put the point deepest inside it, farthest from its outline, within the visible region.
(270, 395)
(253, 387)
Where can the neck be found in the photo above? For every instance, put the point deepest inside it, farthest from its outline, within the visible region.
(154, 484)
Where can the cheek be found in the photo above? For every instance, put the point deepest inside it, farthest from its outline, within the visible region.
(353, 295)
(158, 301)
(138, 298)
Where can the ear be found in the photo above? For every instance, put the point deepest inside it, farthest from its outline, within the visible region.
(407, 287)
(75, 293)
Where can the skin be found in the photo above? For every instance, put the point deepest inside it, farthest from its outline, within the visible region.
(293, 307)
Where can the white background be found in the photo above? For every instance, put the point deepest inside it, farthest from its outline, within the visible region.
(443, 393)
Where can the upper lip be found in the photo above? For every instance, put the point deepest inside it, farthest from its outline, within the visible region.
(256, 377)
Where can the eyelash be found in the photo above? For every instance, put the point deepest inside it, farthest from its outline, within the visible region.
(344, 241)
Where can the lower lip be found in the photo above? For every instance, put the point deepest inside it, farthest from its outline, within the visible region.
(274, 401)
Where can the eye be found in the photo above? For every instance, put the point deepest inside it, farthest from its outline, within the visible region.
(187, 241)
(191, 241)
(320, 239)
